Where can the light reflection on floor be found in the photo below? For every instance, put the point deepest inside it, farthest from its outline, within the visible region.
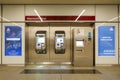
(13, 73)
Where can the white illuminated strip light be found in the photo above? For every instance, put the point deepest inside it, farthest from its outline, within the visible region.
(38, 15)
(8, 20)
(113, 19)
(80, 15)
(12, 39)
(5, 19)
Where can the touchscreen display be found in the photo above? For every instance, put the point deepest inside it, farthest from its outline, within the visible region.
(80, 43)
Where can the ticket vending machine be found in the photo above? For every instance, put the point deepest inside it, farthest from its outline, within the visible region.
(83, 47)
(59, 42)
(40, 42)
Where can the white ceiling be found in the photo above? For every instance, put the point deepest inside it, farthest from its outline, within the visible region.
(59, 1)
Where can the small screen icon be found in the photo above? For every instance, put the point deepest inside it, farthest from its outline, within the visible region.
(38, 45)
(58, 44)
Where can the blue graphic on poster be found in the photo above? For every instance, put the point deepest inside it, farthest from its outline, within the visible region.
(13, 41)
(106, 41)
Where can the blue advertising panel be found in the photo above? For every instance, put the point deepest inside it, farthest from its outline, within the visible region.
(106, 41)
(13, 41)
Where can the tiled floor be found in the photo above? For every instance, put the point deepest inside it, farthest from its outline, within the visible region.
(14, 73)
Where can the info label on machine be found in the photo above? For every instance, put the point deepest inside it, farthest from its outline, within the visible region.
(106, 41)
(13, 41)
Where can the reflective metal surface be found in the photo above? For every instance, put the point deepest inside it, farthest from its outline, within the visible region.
(60, 71)
(83, 46)
(51, 57)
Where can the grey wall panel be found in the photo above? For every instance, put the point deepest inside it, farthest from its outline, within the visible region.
(13, 13)
(106, 12)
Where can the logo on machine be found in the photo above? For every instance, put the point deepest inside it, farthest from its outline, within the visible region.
(111, 29)
(8, 30)
(38, 44)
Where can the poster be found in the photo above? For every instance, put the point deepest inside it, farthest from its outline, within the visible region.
(106, 41)
(13, 41)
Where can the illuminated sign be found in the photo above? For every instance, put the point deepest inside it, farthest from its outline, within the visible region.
(13, 41)
(106, 41)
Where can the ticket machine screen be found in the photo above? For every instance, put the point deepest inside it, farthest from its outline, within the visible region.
(59, 42)
(80, 43)
(41, 42)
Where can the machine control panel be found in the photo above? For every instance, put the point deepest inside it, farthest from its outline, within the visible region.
(89, 36)
(59, 42)
(40, 42)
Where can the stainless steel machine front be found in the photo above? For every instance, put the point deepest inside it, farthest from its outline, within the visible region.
(37, 44)
(48, 43)
(83, 46)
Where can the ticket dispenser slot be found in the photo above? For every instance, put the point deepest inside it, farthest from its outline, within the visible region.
(40, 42)
(59, 42)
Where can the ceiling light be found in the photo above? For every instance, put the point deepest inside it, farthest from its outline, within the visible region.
(38, 15)
(80, 15)
(5, 19)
